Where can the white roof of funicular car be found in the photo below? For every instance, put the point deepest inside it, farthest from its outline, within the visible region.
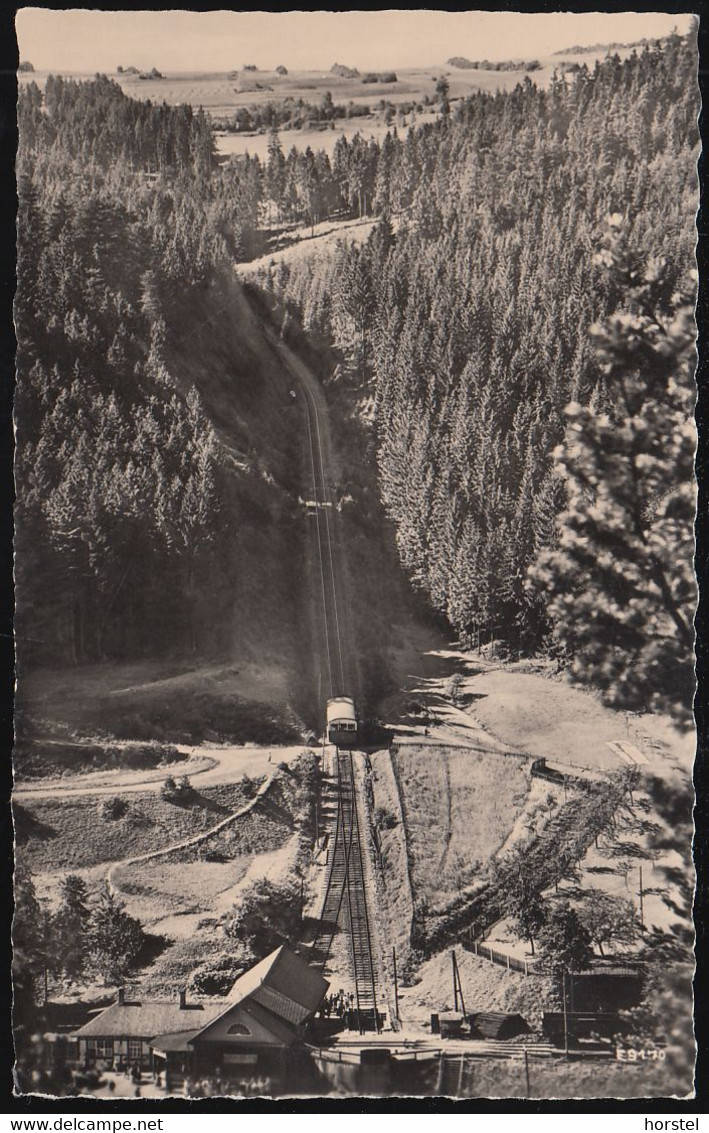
(340, 708)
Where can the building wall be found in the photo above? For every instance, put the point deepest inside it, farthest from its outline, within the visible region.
(255, 1032)
(108, 1050)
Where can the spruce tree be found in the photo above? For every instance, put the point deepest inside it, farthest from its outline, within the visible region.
(620, 584)
(70, 925)
(114, 937)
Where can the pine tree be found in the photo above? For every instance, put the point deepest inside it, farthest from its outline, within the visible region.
(114, 937)
(29, 943)
(620, 584)
(70, 925)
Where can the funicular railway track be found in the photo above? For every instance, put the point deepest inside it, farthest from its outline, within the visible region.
(344, 908)
(345, 901)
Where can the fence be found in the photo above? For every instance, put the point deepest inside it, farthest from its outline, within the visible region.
(503, 959)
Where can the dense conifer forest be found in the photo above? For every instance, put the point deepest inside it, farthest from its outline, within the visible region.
(124, 228)
(533, 251)
(543, 259)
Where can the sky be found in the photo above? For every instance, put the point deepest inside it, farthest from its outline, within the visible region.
(89, 41)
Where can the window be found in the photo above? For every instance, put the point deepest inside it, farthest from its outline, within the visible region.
(238, 1029)
(135, 1049)
(100, 1048)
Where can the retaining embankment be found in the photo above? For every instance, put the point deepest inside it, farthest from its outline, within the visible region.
(393, 881)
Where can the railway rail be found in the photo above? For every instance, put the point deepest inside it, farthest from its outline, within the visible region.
(325, 539)
(345, 900)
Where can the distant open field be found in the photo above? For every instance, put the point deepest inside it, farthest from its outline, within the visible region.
(220, 94)
(554, 720)
(256, 145)
(149, 700)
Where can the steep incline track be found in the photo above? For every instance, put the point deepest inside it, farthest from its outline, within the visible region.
(345, 905)
(345, 902)
(341, 675)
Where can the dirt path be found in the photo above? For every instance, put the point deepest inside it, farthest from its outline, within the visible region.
(210, 766)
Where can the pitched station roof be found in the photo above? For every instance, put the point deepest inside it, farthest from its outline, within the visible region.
(283, 984)
(179, 1041)
(144, 1020)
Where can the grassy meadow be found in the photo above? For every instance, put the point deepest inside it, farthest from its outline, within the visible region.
(455, 814)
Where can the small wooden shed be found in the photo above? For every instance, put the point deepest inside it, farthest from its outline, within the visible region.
(451, 1024)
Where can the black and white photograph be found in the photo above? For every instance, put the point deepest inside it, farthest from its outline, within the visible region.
(354, 555)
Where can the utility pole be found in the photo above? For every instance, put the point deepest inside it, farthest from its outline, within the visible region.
(642, 908)
(526, 1072)
(396, 986)
(566, 1018)
(457, 986)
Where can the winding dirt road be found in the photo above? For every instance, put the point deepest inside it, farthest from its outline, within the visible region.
(207, 767)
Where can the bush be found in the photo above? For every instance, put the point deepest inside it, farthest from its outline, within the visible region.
(268, 915)
(250, 786)
(216, 976)
(169, 789)
(408, 968)
(112, 809)
(179, 792)
(384, 819)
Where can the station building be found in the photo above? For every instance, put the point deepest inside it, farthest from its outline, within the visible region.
(254, 1031)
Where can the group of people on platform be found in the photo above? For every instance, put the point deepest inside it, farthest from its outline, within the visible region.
(337, 1005)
